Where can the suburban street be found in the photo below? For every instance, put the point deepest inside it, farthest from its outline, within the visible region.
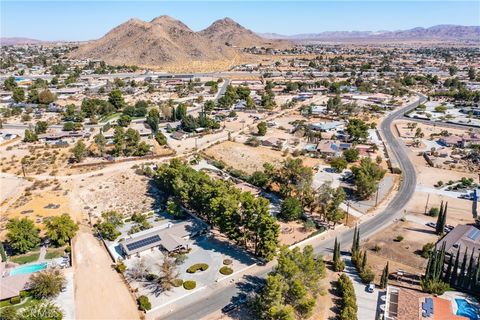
(204, 306)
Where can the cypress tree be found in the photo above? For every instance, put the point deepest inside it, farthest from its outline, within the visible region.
(354, 239)
(454, 277)
(448, 273)
(335, 250)
(384, 278)
(470, 276)
(440, 262)
(364, 260)
(357, 241)
(477, 276)
(461, 278)
(443, 222)
(439, 220)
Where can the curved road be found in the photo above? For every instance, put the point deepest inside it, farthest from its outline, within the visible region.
(199, 307)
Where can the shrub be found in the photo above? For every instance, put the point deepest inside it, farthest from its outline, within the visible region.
(367, 275)
(180, 259)
(227, 262)
(23, 294)
(120, 267)
(433, 286)
(15, 300)
(189, 284)
(377, 248)
(433, 212)
(143, 303)
(177, 282)
(399, 238)
(226, 270)
(197, 267)
(339, 265)
(427, 249)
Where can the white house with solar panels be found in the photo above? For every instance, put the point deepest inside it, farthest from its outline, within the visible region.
(171, 237)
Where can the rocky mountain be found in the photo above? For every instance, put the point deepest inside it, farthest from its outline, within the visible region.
(167, 40)
(439, 32)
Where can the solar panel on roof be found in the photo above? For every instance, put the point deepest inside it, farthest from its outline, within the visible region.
(142, 243)
(474, 234)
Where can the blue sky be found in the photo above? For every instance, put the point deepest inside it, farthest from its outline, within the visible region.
(84, 20)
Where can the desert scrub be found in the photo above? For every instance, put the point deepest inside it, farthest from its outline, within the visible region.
(226, 270)
(189, 284)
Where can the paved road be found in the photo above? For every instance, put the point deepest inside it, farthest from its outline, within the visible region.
(442, 124)
(203, 306)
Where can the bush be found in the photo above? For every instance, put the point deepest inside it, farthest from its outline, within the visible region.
(120, 267)
(177, 282)
(367, 275)
(433, 212)
(180, 259)
(226, 270)
(339, 265)
(433, 286)
(23, 294)
(15, 300)
(143, 303)
(197, 267)
(399, 238)
(427, 249)
(189, 284)
(227, 262)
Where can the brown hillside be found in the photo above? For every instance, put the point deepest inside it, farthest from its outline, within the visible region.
(166, 41)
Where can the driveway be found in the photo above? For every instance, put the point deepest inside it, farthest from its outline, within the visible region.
(367, 302)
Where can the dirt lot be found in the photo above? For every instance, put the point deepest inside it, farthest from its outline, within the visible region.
(110, 298)
(405, 251)
(246, 158)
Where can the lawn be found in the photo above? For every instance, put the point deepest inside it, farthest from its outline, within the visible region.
(109, 117)
(53, 253)
(25, 303)
(25, 258)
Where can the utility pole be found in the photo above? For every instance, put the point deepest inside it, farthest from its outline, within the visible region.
(376, 197)
(426, 204)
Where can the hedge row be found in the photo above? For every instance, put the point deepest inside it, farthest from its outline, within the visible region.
(348, 308)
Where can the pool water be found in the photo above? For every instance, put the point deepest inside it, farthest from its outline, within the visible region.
(467, 309)
(28, 269)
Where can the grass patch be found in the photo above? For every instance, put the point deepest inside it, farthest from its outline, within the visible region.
(54, 253)
(110, 117)
(28, 301)
(25, 258)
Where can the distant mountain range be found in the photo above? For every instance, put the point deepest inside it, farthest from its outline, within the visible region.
(439, 32)
(6, 41)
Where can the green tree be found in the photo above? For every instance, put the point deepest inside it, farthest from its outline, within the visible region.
(61, 229)
(111, 220)
(79, 151)
(160, 138)
(262, 128)
(367, 177)
(384, 278)
(351, 154)
(115, 98)
(471, 73)
(22, 234)
(357, 130)
(124, 120)
(100, 142)
(18, 94)
(46, 97)
(47, 283)
(30, 136)
(10, 83)
(338, 164)
(41, 127)
(291, 209)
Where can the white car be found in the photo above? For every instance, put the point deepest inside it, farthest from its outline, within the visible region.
(370, 287)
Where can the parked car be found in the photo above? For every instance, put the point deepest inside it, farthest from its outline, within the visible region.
(431, 224)
(229, 307)
(370, 287)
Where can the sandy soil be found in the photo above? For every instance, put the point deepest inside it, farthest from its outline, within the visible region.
(100, 293)
(415, 236)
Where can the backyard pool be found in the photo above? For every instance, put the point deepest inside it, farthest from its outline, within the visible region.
(28, 269)
(466, 309)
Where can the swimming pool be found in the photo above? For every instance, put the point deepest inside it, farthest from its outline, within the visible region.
(28, 269)
(466, 309)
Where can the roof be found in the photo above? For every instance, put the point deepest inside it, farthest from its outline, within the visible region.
(170, 237)
(12, 285)
(327, 125)
(461, 237)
